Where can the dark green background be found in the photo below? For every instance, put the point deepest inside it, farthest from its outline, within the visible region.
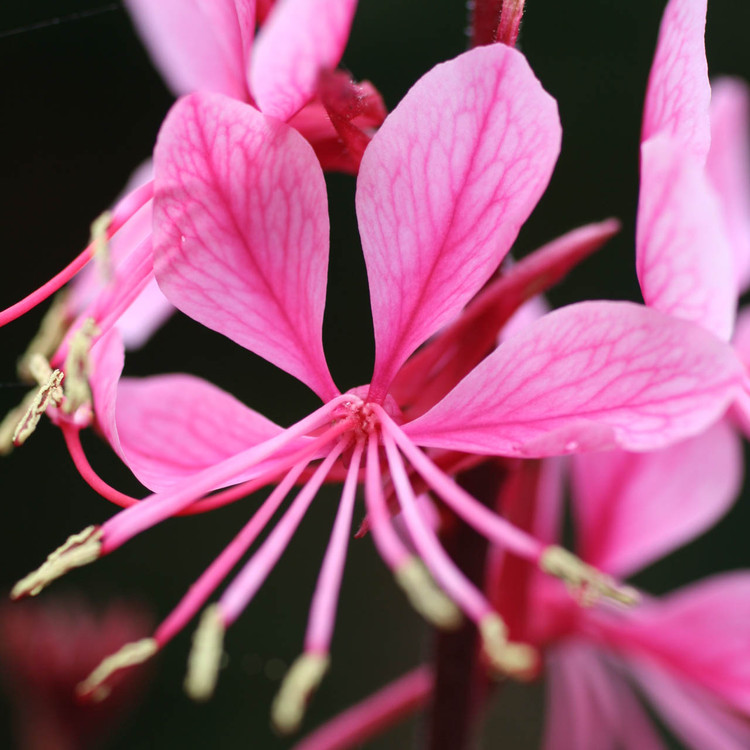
(81, 107)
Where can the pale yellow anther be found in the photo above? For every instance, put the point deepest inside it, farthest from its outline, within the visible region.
(48, 338)
(206, 655)
(100, 241)
(49, 393)
(128, 656)
(79, 549)
(426, 596)
(10, 422)
(588, 583)
(302, 679)
(512, 659)
(77, 367)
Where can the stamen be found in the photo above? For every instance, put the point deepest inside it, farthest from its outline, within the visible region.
(448, 576)
(48, 338)
(325, 599)
(205, 656)
(426, 596)
(587, 582)
(100, 244)
(516, 659)
(420, 588)
(77, 367)
(79, 549)
(150, 511)
(254, 573)
(302, 679)
(49, 393)
(487, 523)
(223, 564)
(10, 423)
(129, 655)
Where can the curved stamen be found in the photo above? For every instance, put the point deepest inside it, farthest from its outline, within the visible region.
(408, 570)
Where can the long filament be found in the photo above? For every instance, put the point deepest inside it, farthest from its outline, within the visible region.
(244, 587)
(223, 564)
(487, 523)
(323, 607)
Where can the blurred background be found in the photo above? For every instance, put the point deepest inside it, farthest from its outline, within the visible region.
(81, 108)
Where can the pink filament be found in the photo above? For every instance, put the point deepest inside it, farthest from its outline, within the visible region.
(244, 587)
(323, 607)
(72, 435)
(131, 521)
(390, 547)
(373, 715)
(124, 210)
(223, 564)
(450, 578)
(487, 523)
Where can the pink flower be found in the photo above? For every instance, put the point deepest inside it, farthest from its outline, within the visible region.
(241, 246)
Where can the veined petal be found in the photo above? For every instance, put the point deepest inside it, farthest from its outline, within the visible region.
(169, 427)
(633, 508)
(588, 376)
(678, 94)
(443, 189)
(198, 45)
(299, 40)
(728, 166)
(700, 634)
(241, 231)
(683, 257)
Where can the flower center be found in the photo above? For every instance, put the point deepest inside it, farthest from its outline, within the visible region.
(362, 411)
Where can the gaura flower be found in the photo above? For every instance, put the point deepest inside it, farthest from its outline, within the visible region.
(241, 246)
(198, 46)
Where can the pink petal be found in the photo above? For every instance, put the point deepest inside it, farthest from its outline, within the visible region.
(145, 316)
(169, 427)
(678, 94)
(172, 426)
(443, 189)
(633, 508)
(587, 376)
(198, 44)
(591, 707)
(728, 166)
(241, 231)
(693, 715)
(683, 257)
(300, 39)
(701, 635)
(741, 339)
